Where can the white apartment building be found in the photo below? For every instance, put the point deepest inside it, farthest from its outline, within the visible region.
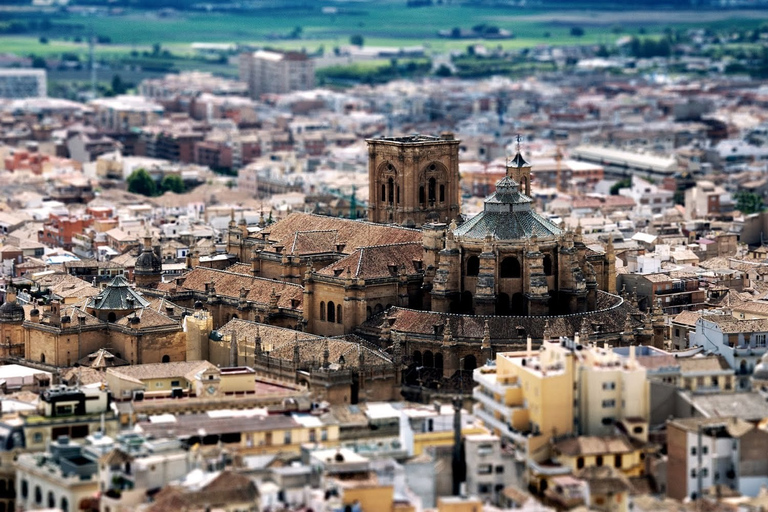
(276, 72)
(650, 199)
(23, 83)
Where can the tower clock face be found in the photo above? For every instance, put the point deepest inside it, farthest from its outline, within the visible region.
(211, 389)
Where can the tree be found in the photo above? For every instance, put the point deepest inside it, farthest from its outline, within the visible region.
(140, 182)
(43, 40)
(577, 31)
(38, 62)
(625, 183)
(172, 183)
(356, 40)
(118, 86)
(748, 203)
(443, 70)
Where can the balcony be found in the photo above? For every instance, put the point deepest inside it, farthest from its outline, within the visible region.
(504, 428)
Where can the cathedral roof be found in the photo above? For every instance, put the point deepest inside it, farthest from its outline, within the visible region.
(118, 295)
(507, 215)
(347, 232)
(375, 261)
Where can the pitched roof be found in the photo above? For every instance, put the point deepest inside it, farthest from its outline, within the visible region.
(229, 284)
(147, 318)
(350, 233)
(186, 369)
(102, 358)
(593, 445)
(374, 261)
(701, 363)
(313, 242)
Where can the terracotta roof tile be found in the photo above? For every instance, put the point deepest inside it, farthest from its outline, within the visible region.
(374, 261)
(229, 284)
(351, 233)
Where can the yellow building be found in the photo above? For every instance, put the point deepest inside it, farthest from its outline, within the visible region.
(566, 387)
(587, 451)
(527, 397)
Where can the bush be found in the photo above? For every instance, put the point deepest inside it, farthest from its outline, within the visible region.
(140, 182)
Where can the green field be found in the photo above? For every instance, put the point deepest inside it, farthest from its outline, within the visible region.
(385, 23)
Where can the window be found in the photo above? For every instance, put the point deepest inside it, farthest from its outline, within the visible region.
(484, 469)
(580, 463)
(442, 193)
(499, 470)
(704, 450)
(338, 314)
(704, 472)
(760, 340)
(175, 383)
(38, 495)
(677, 332)
(693, 473)
(609, 386)
(332, 312)
(599, 460)
(51, 500)
(287, 437)
(322, 311)
(617, 461)
(24, 489)
(62, 410)
(609, 403)
(324, 434)
(693, 450)
(312, 436)
(483, 488)
(37, 437)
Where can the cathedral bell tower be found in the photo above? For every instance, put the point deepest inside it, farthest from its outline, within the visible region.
(413, 180)
(520, 171)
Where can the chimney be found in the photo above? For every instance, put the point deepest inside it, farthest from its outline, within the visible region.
(528, 348)
(632, 352)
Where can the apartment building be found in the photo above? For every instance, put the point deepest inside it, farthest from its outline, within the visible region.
(704, 452)
(23, 83)
(565, 388)
(269, 71)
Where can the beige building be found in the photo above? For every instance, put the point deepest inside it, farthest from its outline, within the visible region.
(276, 72)
(564, 388)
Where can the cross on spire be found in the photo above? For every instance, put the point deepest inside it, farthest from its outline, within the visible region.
(518, 142)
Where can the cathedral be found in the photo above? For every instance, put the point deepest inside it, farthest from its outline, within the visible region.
(439, 293)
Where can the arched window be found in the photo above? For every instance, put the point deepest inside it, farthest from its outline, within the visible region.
(470, 363)
(416, 360)
(432, 186)
(439, 362)
(378, 308)
(422, 199)
(331, 312)
(51, 499)
(473, 266)
(322, 310)
(547, 265)
(24, 489)
(510, 267)
(111, 317)
(429, 359)
(442, 193)
(42, 358)
(166, 358)
(391, 184)
(397, 194)
(368, 312)
(383, 193)
(38, 495)
(338, 314)
(64, 504)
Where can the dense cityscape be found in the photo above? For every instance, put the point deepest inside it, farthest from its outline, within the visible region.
(494, 271)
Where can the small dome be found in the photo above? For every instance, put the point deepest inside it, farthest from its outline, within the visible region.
(11, 312)
(148, 262)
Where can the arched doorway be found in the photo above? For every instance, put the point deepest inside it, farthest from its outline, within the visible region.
(417, 358)
(517, 305)
(470, 363)
(439, 362)
(473, 266)
(429, 359)
(467, 305)
(510, 267)
(502, 304)
(111, 317)
(378, 308)
(166, 359)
